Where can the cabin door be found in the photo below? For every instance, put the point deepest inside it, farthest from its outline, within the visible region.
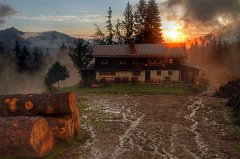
(147, 76)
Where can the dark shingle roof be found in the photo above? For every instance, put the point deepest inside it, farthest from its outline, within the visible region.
(142, 50)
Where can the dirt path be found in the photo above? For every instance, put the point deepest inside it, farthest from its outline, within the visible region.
(155, 127)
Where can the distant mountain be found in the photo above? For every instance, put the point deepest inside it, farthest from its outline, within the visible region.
(50, 40)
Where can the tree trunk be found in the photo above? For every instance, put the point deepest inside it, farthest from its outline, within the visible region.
(40, 104)
(37, 104)
(62, 127)
(25, 136)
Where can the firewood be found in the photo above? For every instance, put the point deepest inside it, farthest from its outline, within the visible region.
(37, 104)
(62, 127)
(40, 104)
(25, 136)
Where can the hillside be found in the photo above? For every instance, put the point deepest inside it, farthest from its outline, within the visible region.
(50, 39)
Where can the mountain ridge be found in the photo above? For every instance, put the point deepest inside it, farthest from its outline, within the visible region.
(51, 40)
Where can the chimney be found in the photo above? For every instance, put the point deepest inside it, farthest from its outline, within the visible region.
(131, 42)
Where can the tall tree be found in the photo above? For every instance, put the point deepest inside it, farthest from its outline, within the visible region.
(238, 42)
(99, 37)
(37, 59)
(55, 74)
(153, 31)
(1, 48)
(109, 27)
(17, 49)
(118, 32)
(22, 56)
(139, 22)
(128, 22)
(82, 57)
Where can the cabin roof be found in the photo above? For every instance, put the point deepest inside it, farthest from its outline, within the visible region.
(191, 64)
(142, 50)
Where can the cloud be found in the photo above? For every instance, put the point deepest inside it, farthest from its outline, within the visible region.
(6, 11)
(202, 16)
(207, 12)
(88, 18)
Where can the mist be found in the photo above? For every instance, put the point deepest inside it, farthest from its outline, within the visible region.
(15, 82)
(220, 67)
(64, 58)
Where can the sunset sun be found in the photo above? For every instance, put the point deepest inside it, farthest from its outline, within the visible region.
(173, 32)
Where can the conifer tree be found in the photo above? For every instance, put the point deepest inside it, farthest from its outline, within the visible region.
(118, 32)
(139, 23)
(55, 74)
(82, 57)
(128, 22)
(1, 48)
(153, 31)
(99, 37)
(37, 59)
(23, 57)
(109, 27)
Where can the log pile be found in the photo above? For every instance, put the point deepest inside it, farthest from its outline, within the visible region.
(229, 89)
(234, 102)
(30, 123)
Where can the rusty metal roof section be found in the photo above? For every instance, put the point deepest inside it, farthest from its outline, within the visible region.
(142, 50)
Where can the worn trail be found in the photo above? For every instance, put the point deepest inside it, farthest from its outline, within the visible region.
(154, 127)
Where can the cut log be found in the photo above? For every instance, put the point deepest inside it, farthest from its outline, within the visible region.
(37, 104)
(76, 120)
(25, 136)
(40, 105)
(62, 127)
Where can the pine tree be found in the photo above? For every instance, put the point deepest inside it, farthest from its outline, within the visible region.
(109, 27)
(153, 31)
(17, 49)
(63, 46)
(238, 42)
(118, 33)
(129, 21)
(99, 37)
(82, 57)
(139, 23)
(55, 74)
(1, 48)
(23, 57)
(37, 59)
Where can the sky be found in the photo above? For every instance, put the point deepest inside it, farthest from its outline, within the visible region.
(181, 19)
(73, 17)
(68, 16)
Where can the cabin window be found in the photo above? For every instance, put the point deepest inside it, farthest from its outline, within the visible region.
(136, 73)
(107, 73)
(104, 62)
(123, 62)
(170, 73)
(170, 61)
(135, 62)
(155, 61)
(159, 73)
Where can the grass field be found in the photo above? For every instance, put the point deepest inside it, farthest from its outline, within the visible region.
(124, 88)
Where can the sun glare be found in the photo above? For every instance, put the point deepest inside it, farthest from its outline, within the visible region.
(172, 32)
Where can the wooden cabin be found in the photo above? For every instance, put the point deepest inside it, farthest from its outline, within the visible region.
(139, 62)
